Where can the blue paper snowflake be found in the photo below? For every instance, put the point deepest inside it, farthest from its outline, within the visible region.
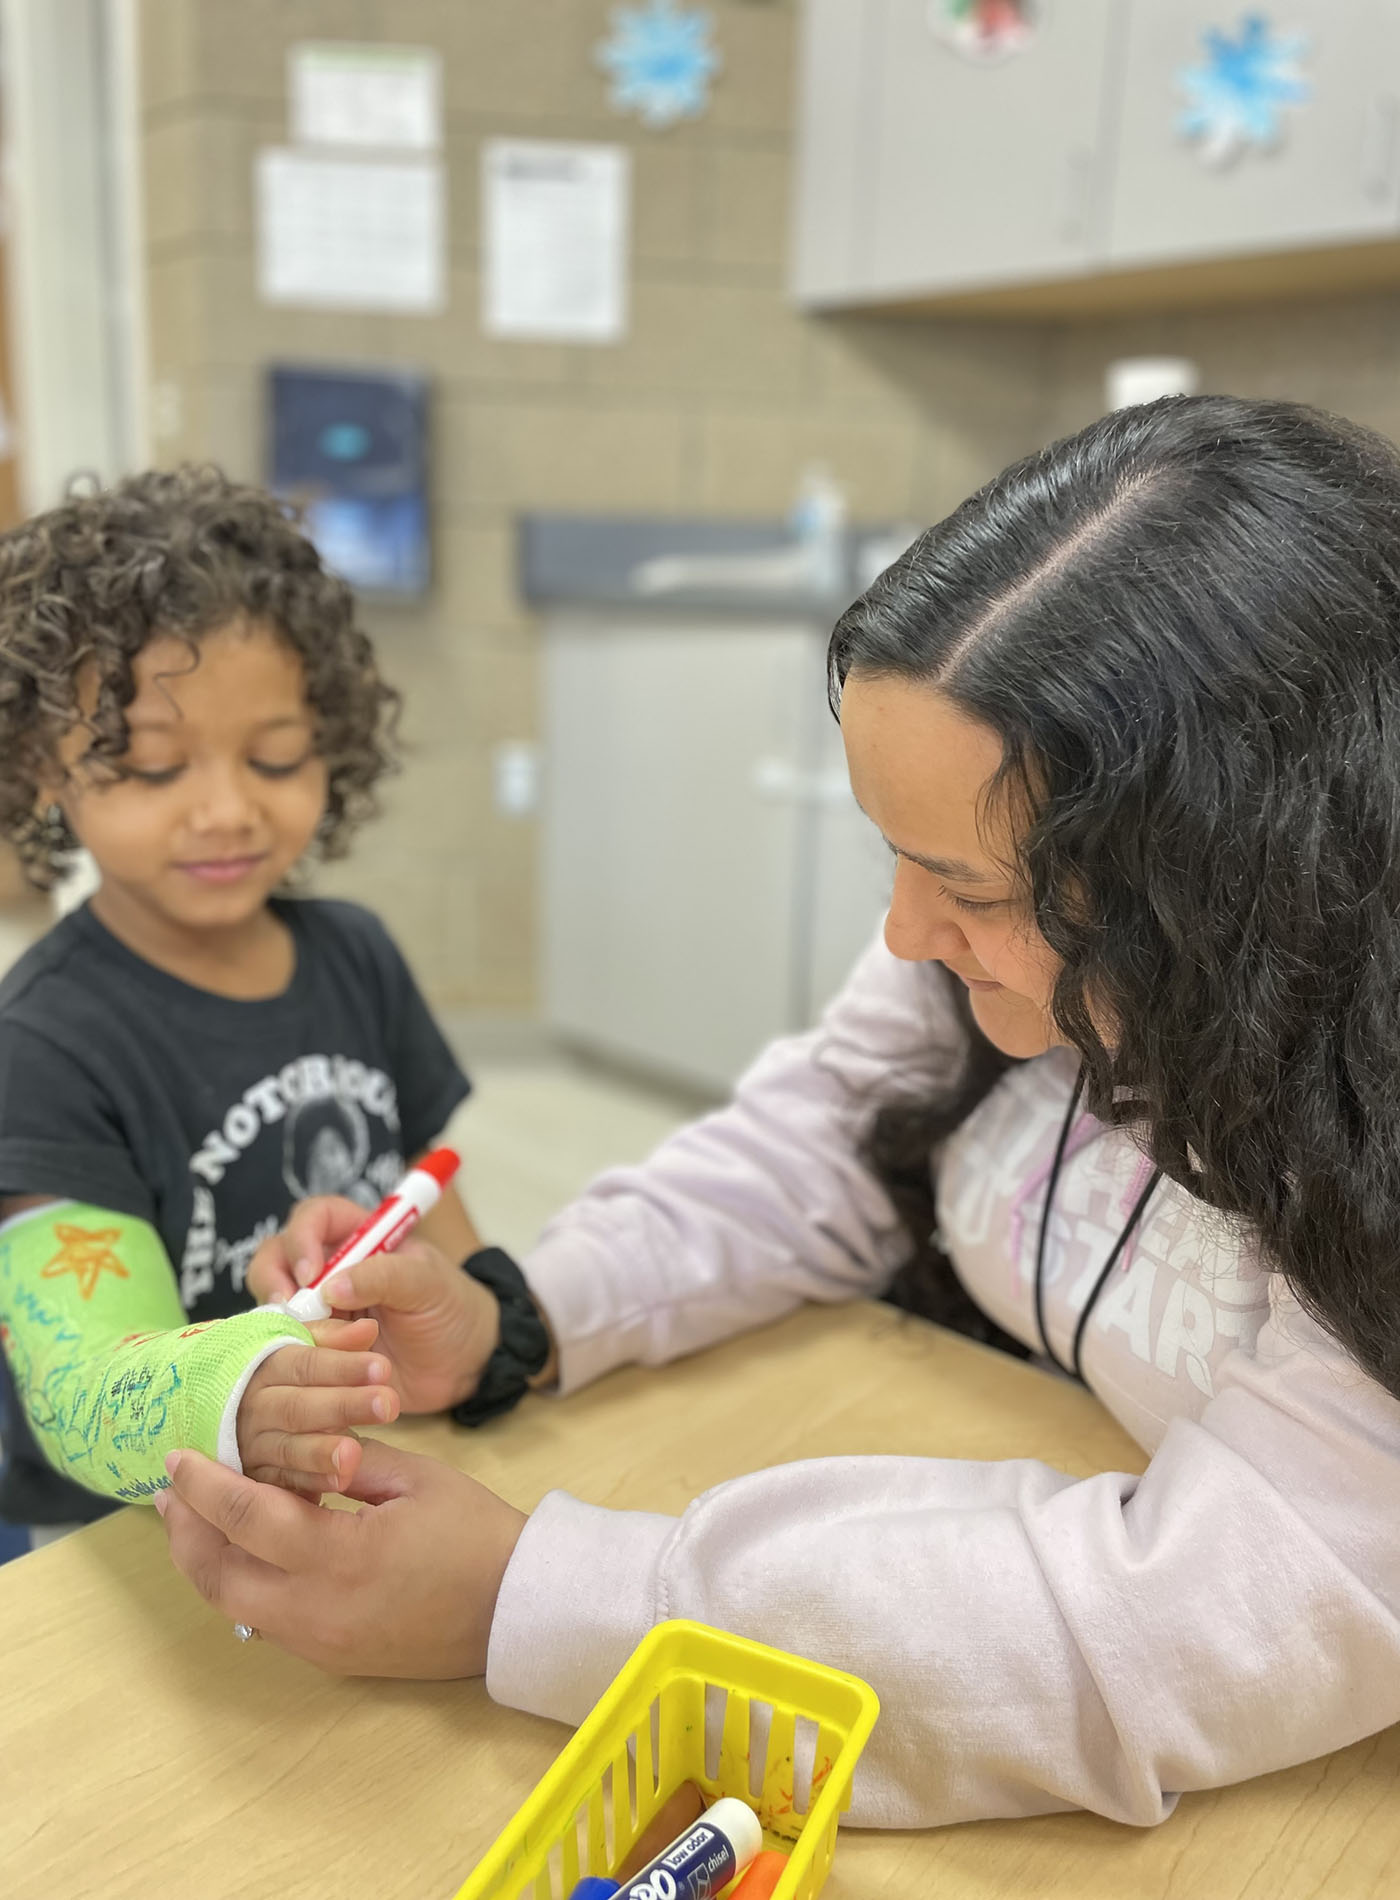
(661, 59)
(1237, 95)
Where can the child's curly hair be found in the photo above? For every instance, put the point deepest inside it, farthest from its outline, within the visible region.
(180, 551)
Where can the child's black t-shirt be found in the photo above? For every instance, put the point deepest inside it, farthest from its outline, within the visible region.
(208, 1117)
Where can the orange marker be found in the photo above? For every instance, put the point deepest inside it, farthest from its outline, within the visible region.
(763, 1876)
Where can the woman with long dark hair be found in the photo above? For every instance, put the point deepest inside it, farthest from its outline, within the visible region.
(1122, 1079)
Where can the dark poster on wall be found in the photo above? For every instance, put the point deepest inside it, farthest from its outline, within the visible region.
(349, 448)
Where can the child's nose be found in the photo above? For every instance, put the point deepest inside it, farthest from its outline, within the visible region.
(223, 800)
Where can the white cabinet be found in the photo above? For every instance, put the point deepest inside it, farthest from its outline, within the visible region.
(1061, 179)
(921, 172)
(984, 173)
(1332, 176)
(708, 880)
(838, 64)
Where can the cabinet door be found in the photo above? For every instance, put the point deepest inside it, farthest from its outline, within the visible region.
(986, 173)
(669, 873)
(1331, 173)
(838, 53)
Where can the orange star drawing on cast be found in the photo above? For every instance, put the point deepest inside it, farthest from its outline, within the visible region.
(85, 1252)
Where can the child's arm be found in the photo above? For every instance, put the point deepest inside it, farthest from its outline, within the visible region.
(449, 1227)
(112, 1378)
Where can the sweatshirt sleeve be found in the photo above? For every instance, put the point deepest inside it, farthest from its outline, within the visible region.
(1038, 1642)
(740, 1217)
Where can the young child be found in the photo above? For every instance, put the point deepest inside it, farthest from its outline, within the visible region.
(185, 693)
(1130, 722)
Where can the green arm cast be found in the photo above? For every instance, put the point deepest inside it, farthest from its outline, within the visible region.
(110, 1375)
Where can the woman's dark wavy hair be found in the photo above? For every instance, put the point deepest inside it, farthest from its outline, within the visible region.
(1183, 624)
(88, 584)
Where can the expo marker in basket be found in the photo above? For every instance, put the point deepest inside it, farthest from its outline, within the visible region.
(705, 1858)
(420, 1189)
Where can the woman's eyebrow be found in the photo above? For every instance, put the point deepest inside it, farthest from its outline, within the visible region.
(954, 868)
(941, 867)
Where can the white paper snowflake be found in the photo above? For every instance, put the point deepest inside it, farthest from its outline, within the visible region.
(661, 59)
(1237, 95)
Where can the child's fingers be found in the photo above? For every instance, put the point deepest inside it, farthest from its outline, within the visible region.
(315, 1229)
(306, 1462)
(326, 1366)
(270, 1277)
(325, 1406)
(306, 1392)
(321, 1408)
(312, 1486)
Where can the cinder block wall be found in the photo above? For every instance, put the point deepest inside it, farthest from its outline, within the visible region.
(712, 405)
(1341, 353)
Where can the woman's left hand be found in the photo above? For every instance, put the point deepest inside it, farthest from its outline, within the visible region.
(406, 1586)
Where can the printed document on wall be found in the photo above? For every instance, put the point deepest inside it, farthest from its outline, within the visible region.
(350, 234)
(342, 92)
(556, 240)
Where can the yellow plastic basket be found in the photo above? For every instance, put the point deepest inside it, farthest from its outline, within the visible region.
(648, 1733)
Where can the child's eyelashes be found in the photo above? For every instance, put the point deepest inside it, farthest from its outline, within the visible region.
(267, 770)
(167, 775)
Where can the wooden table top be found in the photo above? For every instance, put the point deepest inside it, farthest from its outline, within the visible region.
(144, 1752)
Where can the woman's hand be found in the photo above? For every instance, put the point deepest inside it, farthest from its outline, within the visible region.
(437, 1325)
(295, 1415)
(405, 1587)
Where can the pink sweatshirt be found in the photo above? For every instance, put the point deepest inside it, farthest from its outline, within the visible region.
(1038, 1642)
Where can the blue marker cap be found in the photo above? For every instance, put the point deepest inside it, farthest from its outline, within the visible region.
(595, 1887)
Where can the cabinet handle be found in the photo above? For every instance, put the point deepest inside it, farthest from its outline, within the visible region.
(1378, 163)
(1080, 166)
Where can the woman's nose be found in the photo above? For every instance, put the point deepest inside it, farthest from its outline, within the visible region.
(918, 927)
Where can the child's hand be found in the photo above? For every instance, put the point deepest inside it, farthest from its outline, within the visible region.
(437, 1325)
(313, 1233)
(293, 1418)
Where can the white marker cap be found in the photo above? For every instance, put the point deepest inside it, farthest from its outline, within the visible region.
(739, 1825)
(309, 1305)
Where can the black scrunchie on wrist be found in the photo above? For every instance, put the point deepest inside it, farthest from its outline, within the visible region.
(524, 1343)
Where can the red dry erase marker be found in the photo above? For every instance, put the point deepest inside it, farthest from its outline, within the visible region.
(419, 1190)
